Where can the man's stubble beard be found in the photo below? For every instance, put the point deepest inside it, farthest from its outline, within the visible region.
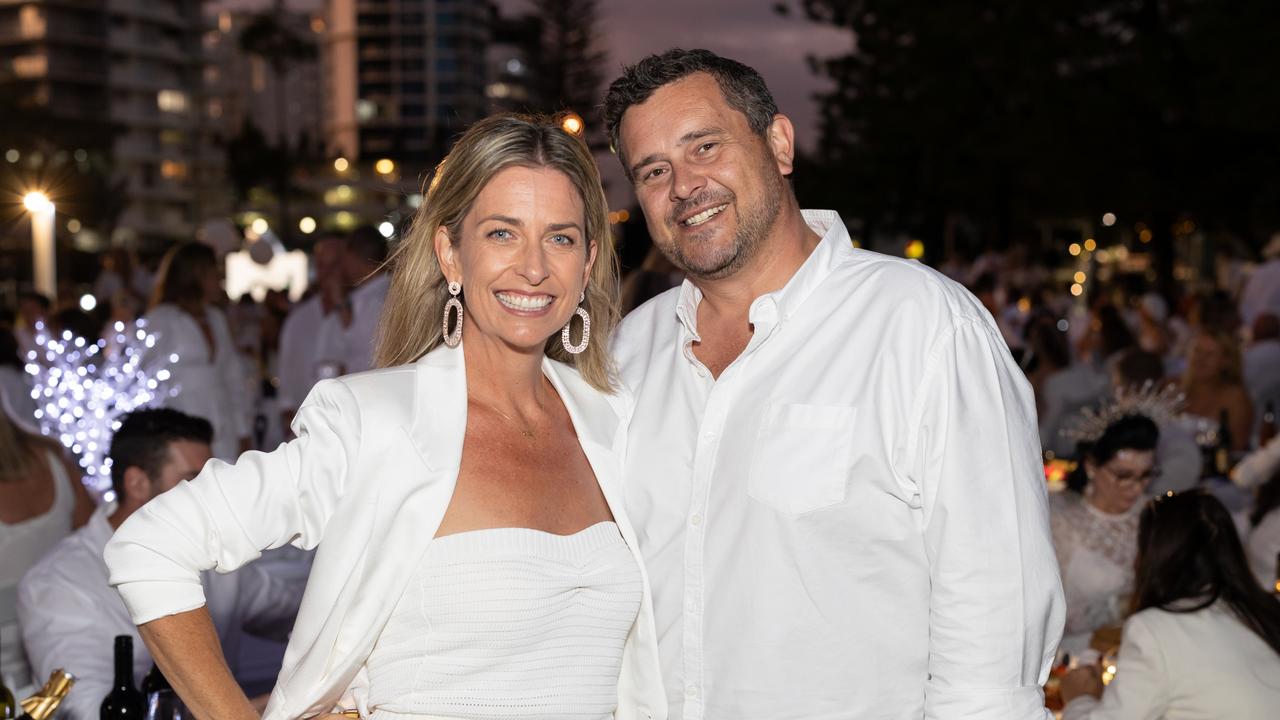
(754, 224)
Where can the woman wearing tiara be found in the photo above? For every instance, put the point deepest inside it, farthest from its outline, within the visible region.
(1203, 640)
(473, 559)
(1095, 523)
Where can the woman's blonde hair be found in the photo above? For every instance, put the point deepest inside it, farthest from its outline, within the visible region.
(1232, 372)
(410, 326)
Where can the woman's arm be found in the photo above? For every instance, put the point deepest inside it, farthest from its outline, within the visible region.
(224, 518)
(186, 648)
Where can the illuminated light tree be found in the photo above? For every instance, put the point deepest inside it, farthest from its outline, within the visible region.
(81, 389)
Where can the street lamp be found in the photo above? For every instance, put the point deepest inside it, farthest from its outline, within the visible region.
(43, 255)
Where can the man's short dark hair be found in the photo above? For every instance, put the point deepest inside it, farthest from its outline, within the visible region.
(366, 243)
(743, 88)
(143, 439)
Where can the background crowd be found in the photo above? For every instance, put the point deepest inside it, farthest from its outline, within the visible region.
(1181, 393)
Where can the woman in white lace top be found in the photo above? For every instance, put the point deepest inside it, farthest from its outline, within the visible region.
(1095, 526)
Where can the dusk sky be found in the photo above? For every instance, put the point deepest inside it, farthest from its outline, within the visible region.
(746, 30)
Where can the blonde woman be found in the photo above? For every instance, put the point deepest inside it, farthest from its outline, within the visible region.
(41, 502)
(474, 560)
(1214, 384)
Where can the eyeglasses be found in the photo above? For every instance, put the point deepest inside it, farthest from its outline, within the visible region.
(1131, 481)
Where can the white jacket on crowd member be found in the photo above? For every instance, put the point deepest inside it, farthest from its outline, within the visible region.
(378, 455)
(366, 308)
(70, 615)
(211, 382)
(1187, 666)
(309, 342)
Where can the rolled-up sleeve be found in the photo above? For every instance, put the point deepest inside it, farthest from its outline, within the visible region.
(996, 604)
(228, 514)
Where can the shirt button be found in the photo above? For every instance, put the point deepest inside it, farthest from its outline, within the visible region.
(695, 519)
(693, 606)
(691, 691)
(710, 434)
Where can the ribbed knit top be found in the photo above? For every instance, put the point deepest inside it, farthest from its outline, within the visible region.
(509, 623)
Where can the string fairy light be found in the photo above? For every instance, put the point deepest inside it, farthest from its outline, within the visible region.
(81, 389)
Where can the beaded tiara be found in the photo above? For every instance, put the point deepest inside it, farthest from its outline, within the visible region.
(1159, 404)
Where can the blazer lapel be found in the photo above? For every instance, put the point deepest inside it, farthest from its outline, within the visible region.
(598, 421)
(413, 497)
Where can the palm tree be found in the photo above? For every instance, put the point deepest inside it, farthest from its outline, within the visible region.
(268, 36)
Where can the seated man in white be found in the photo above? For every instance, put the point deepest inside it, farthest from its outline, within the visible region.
(68, 613)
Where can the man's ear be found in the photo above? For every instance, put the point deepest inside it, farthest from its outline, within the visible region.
(781, 137)
(137, 485)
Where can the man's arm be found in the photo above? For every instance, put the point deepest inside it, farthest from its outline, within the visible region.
(996, 605)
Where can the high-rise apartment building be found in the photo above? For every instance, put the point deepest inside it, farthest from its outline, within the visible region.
(403, 76)
(133, 64)
(242, 87)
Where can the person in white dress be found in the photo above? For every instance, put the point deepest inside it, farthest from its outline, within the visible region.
(1095, 526)
(41, 501)
(1204, 639)
(208, 374)
(474, 558)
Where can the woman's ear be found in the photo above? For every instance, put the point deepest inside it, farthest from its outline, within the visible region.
(591, 261)
(447, 255)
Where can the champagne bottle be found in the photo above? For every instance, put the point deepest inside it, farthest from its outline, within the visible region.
(1268, 429)
(124, 702)
(43, 704)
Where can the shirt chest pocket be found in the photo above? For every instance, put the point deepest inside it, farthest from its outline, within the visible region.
(802, 457)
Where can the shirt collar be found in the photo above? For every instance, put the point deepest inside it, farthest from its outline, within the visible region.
(833, 249)
(98, 530)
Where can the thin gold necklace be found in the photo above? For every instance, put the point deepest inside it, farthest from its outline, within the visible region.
(527, 432)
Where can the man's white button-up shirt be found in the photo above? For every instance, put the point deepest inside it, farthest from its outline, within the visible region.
(851, 521)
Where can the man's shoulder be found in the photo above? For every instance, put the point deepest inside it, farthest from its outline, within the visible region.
(306, 312)
(896, 280)
(59, 570)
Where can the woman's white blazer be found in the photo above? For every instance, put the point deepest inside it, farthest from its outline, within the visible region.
(367, 481)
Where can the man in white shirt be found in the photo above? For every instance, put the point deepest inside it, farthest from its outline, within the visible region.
(310, 343)
(69, 614)
(1261, 293)
(833, 462)
(362, 264)
(1262, 362)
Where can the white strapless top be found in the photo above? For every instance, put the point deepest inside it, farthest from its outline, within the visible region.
(509, 623)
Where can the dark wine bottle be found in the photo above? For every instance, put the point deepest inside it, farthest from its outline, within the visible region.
(1222, 453)
(124, 702)
(8, 705)
(154, 681)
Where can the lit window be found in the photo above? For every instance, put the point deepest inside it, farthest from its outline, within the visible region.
(173, 170)
(30, 66)
(172, 101)
(366, 110)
